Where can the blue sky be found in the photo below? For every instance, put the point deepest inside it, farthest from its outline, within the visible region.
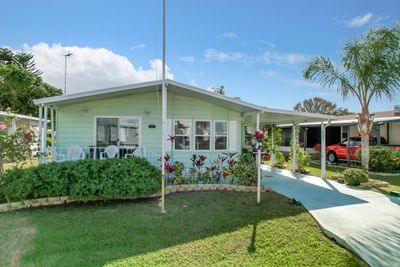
(256, 49)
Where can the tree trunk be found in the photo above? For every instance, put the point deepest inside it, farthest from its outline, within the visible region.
(365, 121)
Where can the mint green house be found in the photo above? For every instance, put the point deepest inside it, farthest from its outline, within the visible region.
(129, 117)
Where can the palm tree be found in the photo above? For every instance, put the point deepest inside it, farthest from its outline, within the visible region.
(370, 68)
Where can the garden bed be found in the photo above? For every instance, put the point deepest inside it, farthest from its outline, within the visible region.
(52, 201)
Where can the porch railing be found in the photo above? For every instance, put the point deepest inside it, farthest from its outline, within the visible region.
(60, 153)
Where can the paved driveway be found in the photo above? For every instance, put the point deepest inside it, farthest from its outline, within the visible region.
(362, 220)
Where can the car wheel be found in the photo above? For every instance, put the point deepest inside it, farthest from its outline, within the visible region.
(332, 156)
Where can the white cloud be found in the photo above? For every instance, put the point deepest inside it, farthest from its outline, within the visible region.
(283, 59)
(359, 20)
(90, 68)
(269, 73)
(187, 59)
(268, 57)
(269, 44)
(215, 55)
(138, 46)
(231, 35)
(303, 83)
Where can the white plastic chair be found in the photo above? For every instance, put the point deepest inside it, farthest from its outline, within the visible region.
(110, 152)
(132, 152)
(75, 153)
(57, 157)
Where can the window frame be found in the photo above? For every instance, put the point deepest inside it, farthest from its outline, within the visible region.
(189, 135)
(214, 138)
(117, 117)
(195, 135)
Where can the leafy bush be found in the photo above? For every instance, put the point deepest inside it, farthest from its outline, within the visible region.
(383, 159)
(302, 157)
(86, 179)
(245, 170)
(355, 176)
(279, 160)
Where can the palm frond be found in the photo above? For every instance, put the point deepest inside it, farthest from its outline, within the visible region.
(322, 71)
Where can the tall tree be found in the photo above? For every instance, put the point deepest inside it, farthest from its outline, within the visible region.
(320, 105)
(370, 68)
(20, 82)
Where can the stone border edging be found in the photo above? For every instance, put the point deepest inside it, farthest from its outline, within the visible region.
(52, 201)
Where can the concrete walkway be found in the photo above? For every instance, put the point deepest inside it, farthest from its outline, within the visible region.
(364, 221)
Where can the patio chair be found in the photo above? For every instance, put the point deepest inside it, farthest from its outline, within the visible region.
(75, 153)
(57, 157)
(109, 152)
(132, 152)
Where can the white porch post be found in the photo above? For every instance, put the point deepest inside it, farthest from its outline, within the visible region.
(52, 126)
(40, 135)
(163, 114)
(294, 145)
(44, 141)
(273, 145)
(323, 148)
(258, 164)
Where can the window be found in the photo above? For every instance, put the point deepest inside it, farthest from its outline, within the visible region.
(202, 135)
(117, 131)
(220, 135)
(182, 134)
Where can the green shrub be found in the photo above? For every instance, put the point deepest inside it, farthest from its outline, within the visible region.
(383, 159)
(355, 176)
(279, 160)
(245, 170)
(204, 177)
(303, 160)
(178, 169)
(86, 179)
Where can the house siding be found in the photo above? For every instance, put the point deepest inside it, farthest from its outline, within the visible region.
(76, 127)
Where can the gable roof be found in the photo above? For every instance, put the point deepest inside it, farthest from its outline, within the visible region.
(270, 114)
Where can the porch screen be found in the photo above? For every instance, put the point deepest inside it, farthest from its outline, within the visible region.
(182, 134)
(117, 131)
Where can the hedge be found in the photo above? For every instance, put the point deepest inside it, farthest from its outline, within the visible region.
(84, 179)
(383, 159)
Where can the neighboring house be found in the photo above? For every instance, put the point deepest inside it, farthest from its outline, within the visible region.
(129, 116)
(386, 124)
(20, 121)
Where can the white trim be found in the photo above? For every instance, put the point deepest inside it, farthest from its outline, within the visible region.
(190, 135)
(215, 135)
(194, 135)
(149, 85)
(95, 117)
(18, 116)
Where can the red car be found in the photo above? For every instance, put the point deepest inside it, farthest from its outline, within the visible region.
(339, 151)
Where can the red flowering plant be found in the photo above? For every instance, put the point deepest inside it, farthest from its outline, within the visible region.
(15, 145)
(259, 136)
(231, 165)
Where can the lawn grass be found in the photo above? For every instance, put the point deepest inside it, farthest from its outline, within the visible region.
(199, 229)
